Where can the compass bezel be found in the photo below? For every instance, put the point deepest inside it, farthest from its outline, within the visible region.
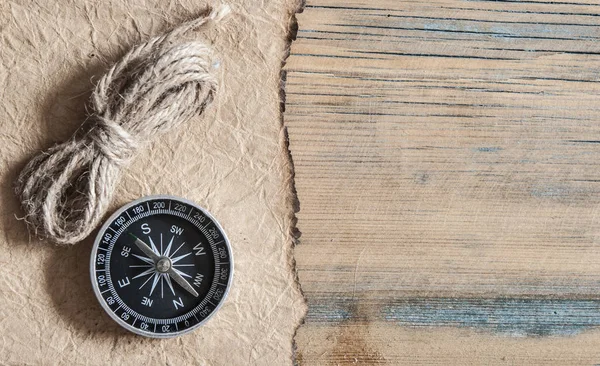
(98, 241)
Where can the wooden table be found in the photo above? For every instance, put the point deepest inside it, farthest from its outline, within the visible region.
(447, 165)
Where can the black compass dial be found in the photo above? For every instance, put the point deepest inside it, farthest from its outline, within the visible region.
(161, 266)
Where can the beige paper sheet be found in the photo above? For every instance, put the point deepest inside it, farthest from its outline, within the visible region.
(232, 161)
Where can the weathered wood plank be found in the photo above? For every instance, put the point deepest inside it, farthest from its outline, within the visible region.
(446, 158)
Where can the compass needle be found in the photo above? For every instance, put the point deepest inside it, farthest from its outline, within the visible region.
(145, 248)
(182, 282)
(181, 273)
(161, 266)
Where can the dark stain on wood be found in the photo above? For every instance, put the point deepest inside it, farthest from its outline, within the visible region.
(350, 343)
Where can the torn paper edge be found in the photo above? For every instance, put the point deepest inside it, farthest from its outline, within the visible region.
(292, 202)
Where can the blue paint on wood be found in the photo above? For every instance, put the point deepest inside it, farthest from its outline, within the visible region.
(331, 313)
(549, 192)
(517, 317)
(491, 149)
(514, 317)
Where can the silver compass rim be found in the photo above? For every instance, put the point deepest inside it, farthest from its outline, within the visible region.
(98, 239)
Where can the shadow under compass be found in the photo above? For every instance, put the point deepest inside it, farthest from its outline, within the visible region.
(69, 285)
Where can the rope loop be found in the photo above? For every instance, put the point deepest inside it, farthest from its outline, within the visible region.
(155, 87)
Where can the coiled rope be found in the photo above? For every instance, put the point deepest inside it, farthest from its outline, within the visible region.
(158, 85)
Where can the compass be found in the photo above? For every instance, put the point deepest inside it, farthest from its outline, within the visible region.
(161, 266)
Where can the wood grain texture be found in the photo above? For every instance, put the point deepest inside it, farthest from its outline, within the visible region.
(446, 161)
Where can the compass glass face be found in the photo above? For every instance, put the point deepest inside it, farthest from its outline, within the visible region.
(161, 266)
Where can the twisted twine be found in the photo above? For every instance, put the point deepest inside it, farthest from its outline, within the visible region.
(156, 86)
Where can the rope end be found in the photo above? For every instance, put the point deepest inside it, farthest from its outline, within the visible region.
(219, 12)
(216, 14)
